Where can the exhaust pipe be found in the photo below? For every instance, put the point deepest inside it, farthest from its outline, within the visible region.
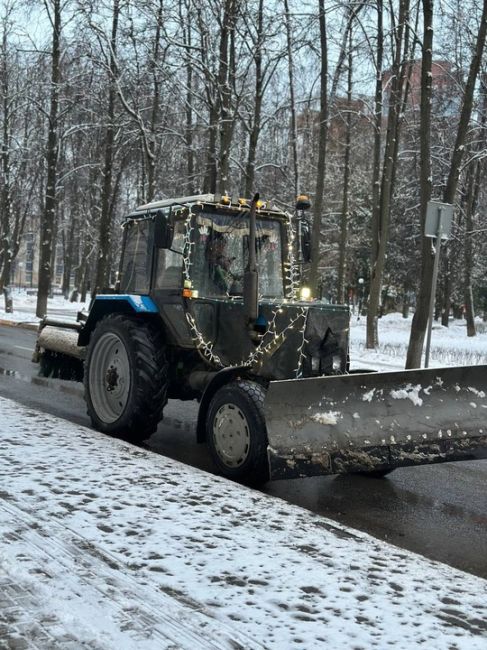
(251, 275)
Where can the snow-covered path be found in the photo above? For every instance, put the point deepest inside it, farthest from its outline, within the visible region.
(112, 546)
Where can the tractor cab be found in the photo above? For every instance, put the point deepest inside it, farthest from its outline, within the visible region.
(201, 244)
(193, 257)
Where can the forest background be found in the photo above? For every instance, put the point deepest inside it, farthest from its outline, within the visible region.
(370, 108)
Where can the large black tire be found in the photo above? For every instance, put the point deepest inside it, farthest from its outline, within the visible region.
(236, 432)
(126, 377)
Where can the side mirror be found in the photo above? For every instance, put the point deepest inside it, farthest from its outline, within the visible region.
(163, 232)
(305, 241)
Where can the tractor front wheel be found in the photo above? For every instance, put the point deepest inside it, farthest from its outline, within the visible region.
(236, 433)
(126, 377)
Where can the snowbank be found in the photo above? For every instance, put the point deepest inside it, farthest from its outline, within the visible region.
(24, 305)
(450, 346)
(122, 548)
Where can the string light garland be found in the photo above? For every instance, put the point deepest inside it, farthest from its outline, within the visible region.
(263, 348)
(291, 267)
(205, 347)
(187, 244)
(277, 338)
(304, 341)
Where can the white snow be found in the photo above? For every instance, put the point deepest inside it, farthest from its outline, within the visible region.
(330, 417)
(479, 393)
(368, 396)
(24, 305)
(450, 346)
(410, 392)
(119, 547)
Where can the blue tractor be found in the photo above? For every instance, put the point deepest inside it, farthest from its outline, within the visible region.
(209, 305)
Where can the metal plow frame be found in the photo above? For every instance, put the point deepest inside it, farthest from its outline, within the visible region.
(376, 421)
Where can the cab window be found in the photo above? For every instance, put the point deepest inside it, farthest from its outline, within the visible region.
(169, 271)
(137, 257)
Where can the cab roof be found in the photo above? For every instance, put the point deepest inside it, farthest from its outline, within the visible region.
(213, 200)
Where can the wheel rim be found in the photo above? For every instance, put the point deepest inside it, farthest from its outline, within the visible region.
(109, 377)
(231, 435)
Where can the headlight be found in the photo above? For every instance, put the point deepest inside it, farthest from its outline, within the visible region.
(315, 365)
(305, 293)
(337, 362)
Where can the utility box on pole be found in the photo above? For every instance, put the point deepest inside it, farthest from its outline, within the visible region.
(439, 218)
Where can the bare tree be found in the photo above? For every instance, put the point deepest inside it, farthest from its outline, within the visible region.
(322, 144)
(399, 69)
(102, 268)
(47, 241)
(343, 253)
(292, 99)
(420, 319)
(6, 243)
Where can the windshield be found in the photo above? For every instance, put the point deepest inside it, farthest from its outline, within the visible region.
(220, 255)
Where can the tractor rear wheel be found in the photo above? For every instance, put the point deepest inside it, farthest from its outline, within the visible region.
(126, 377)
(236, 433)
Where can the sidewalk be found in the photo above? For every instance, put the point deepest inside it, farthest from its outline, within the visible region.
(104, 545)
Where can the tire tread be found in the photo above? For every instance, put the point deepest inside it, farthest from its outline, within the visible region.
(151, 369)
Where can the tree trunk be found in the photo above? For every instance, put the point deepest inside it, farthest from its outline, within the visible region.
(102, 269)
(49, 214)
(377, 136)
(472, 194)
(188, 131)
(68, 258)
(226, 77)
(420, 319)
(259, 83)
(54, 250)
(294, 128)
(314, 276)
(388, 172)
(342, 262)
(6, 243)
(152, 139)
(211, 163)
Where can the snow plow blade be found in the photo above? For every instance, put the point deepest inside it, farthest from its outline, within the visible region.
(375, 421)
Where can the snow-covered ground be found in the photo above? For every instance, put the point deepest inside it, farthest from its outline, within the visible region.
(105, 545)
(450, 346)
(24, 307)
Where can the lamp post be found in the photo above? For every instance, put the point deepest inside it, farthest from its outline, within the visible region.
(360, 296)
(19, 281)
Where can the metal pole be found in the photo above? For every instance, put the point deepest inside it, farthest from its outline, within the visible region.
(433, 291)
(251, 275)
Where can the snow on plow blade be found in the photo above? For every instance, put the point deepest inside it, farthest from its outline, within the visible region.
(375, 421)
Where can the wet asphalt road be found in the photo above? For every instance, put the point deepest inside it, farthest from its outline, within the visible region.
(439, 511)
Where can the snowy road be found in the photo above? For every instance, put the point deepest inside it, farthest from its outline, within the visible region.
(112, 546)
(439, 511)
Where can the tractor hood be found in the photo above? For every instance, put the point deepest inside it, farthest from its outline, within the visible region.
(297, 339)
(306, 341)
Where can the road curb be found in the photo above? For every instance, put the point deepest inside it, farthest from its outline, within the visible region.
(26, 326)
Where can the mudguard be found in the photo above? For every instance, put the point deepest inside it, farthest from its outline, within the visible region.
(368, 422)
(110, 303)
